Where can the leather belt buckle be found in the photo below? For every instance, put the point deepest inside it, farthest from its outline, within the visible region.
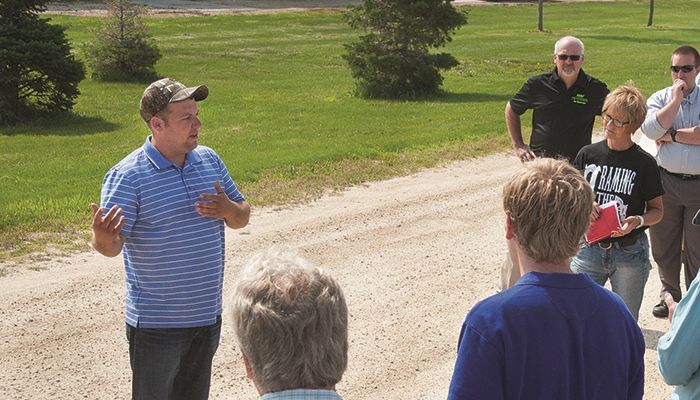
(605, 246)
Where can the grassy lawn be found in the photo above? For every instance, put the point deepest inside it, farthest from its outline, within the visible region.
(281, 113)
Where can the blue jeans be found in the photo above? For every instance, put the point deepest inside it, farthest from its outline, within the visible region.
(626, 267)
(172, 364)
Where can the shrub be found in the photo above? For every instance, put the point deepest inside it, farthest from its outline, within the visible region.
(38, 74)
(393, 59)
(124, 50)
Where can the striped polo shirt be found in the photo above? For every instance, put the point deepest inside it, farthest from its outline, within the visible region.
(173, 257)
(302, 394)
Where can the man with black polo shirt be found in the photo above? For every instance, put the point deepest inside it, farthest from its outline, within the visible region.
(673, 121)
(564, 103)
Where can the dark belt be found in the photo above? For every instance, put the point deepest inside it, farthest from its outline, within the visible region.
(685, 177)
(618, 244)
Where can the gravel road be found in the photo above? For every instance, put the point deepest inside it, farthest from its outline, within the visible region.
(413, 254)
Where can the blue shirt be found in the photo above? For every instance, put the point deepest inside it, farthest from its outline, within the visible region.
(550, 336)
(679, 348)
(679, 158)
(173, 257)
(302, 394)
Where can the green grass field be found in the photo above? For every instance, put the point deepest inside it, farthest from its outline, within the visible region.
(281, 113)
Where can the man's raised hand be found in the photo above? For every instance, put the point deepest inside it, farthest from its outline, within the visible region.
(106, 229)
(218, 205)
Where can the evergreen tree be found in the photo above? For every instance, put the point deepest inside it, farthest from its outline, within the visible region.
(38, 74)
(393, 59)
(124, 50)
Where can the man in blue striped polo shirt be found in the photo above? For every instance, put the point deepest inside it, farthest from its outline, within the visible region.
(165, 206)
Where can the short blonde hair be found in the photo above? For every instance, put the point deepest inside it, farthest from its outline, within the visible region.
(630, 102)
(291, 321)
(549, 204)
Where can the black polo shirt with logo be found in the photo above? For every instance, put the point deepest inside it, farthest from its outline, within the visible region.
(562, 120)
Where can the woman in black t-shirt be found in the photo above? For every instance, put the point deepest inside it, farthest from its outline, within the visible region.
(622, 173)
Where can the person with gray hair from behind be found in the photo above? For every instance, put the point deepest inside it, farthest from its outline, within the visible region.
(291, 322)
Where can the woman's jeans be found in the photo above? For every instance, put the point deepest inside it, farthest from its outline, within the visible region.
(627, 268)
(172, 364)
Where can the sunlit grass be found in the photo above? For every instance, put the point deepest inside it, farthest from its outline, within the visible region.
(281, 113)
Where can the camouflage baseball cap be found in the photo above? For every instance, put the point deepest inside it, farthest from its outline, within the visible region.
(162, 92)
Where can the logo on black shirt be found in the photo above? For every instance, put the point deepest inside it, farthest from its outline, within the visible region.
(580, 98)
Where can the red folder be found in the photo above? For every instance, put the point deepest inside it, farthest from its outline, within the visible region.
(608, 221)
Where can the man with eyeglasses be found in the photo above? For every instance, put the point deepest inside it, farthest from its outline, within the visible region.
(673, 122)
(564, 104)
(621, 172)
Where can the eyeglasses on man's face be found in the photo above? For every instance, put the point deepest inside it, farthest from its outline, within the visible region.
(682, 68)
(616, 122)
(572, 57)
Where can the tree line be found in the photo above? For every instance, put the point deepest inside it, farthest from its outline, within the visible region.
(395, 55)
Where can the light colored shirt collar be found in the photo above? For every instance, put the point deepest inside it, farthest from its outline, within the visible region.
(159, 160)
(693, 96)
(302, 394)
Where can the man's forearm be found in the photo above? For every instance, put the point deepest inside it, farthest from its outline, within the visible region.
(688, 135)
(239, 216)
(667, 114)
(514, 127)
(108, 248)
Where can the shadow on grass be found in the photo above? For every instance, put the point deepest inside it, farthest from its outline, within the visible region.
(447, 97)
(469, 98)
(651, 338)
(66, 124)
(657, 41)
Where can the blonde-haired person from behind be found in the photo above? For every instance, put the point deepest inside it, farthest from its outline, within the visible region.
(564, 103)
(554, 334)
(291, 322)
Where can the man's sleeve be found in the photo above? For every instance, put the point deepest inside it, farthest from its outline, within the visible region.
(604, 93)
(522, 101)
(478, 372)
(651, 127)
(679, 349)
(117, 189)
(636, 386)
(227, 182)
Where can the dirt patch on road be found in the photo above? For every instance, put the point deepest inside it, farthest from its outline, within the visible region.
(413, 255)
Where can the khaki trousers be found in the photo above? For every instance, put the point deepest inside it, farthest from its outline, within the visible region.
(675, 239)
